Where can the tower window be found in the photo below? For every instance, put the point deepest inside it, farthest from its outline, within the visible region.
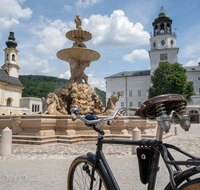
(154, 44)
(172, 42)
(168, 28)
(13, 57)
(7, 57)
(162, 42)
(8, 103)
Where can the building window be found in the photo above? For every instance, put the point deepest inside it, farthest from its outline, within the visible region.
(130, 93)
(199, 78)
(139, 93)
(147, 93)
(7, 57)
(122, 93)
(162, 42)
(130, 104)
(3, 114)
(13, 57)
(199, 90)
(35, 108)
(122, 104)
(8, 103)
(114, 92)
(139, 104)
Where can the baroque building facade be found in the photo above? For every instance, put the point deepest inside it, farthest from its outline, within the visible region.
(11, 101)
(134, 85)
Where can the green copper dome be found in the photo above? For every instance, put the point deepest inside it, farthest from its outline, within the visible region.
(11, 43)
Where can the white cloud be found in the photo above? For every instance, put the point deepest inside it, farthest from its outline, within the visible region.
(68, 8)
(66, 75)
(193, 63)
(86, 3)
(10, 12)
(115, 30)
(51, 35)
(136, 54)
(35, 65)
(94, 82)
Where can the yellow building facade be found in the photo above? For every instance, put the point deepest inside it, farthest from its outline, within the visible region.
(10, 85)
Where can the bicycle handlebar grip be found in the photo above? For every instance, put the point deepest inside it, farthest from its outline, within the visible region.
(133, 109)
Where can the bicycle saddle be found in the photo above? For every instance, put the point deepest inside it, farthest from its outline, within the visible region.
(162, 104)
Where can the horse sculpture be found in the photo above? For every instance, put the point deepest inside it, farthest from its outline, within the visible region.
(111, 104)
(53, 105)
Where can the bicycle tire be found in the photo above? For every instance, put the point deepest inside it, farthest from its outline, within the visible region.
(77, 177)
(191, 185)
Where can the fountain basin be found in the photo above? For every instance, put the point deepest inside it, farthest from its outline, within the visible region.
(84, 35)
(80, 54)
(46, 129)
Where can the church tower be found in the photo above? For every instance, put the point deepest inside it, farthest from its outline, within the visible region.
(10, 61)
(163, 42)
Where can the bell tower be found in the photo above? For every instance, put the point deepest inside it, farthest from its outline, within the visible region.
(163, 41)
(10, 61)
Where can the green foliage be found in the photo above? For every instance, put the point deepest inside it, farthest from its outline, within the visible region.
(39, 86)
(171, 79)
(102, 95)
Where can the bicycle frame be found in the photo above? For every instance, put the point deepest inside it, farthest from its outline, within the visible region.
(158, 148)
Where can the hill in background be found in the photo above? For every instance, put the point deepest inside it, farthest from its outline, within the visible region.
(39, 86)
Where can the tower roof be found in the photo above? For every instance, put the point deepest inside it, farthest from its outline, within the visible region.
(11, 43)
(162, 17)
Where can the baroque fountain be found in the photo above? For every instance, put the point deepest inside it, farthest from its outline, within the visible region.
(55, 124)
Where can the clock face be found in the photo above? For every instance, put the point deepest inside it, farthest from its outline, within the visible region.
(162, 42)
(163, 57)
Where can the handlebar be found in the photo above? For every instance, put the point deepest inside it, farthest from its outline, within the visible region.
(75, 115)
(163, 120)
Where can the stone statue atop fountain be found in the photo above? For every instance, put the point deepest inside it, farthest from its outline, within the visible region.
(78, 22)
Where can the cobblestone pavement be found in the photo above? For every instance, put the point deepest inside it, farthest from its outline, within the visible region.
(45, 167)
(189, 143)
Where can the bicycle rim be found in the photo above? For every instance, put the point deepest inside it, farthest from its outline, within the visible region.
(78, 179)
(191, 185)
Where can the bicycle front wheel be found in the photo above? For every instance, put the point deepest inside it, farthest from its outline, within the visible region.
(191, 185)
(79, 179)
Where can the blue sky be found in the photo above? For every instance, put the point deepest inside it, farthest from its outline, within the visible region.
(120, 29)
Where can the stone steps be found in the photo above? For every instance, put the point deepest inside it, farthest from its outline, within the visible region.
(74, 139)
(33, 140)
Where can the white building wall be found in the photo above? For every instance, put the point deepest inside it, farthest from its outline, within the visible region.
(30, 102)
(134, 84)
(195, 77)
(14, 94)
(13, 72)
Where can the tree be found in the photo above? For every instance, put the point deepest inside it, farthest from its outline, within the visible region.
(171, 79)
(102, 95)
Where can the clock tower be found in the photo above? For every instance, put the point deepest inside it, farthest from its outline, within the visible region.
(163, 42)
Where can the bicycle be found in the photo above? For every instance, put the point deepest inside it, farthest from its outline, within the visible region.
(93, 172)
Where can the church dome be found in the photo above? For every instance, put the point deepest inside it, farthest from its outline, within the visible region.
(11, 43)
